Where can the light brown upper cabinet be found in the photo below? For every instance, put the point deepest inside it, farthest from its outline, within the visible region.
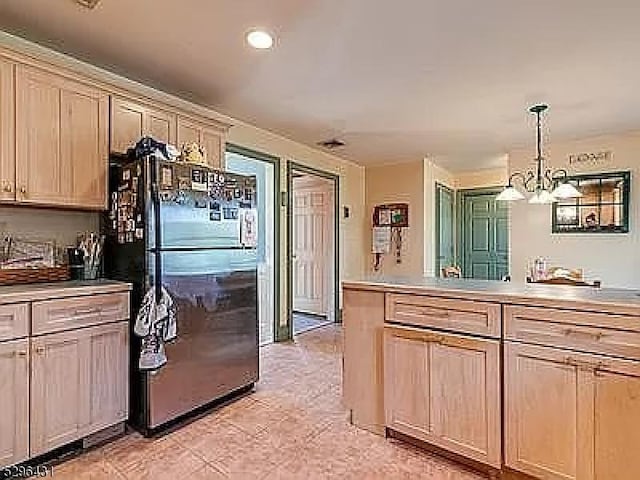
(208, 136)
(62, 129)
(7, 129)
(130, 121)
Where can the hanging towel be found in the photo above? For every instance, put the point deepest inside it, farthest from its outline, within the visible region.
(156, 324)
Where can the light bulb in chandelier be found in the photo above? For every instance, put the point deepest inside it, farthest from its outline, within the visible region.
(542, 197)
(566, 190)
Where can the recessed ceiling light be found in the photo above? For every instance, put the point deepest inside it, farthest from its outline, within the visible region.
(259, 39)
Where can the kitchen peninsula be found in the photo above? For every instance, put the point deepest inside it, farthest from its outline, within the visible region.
(542, 380)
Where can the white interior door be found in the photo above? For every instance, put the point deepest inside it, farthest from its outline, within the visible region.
(312, 244)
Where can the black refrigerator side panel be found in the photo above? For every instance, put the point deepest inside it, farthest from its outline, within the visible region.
(126, 260)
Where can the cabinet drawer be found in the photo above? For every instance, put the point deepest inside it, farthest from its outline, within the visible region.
(68, 313)
(463, 316)
(584, 331)
(14, 321)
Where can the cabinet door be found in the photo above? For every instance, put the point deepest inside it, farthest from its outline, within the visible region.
(61, 141)
(41, 173)
(544, 431)
(160, 125)
(212, 142)
(444, 389)
(616, 420)
(127, 124)
(406, 381)
(109, 375)
(84, 146)
(7, 131)
(59, 389)
(188, 132)
(465, 396)
(14, 402)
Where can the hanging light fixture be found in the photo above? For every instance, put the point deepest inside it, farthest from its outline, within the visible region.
(546, 185)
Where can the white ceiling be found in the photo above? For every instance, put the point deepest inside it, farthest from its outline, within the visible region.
(397, 80)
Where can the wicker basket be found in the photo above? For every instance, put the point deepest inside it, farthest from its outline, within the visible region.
(16, 276)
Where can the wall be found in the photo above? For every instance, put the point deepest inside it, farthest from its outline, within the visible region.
(612, 258)
(45, 224)
(398, 183)
(415, 183)
(242, 134)
(495, 177)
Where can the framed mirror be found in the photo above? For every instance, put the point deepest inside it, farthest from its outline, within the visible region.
(603, 207)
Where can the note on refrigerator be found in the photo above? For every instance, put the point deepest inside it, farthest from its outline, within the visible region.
(249, 227)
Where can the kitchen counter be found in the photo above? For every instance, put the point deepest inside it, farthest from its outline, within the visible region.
(44, 291)
(609, 300)
(496, 373)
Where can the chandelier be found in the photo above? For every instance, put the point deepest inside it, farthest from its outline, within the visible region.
(545, 185)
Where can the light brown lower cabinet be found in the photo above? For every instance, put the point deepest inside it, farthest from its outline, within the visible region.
(14, 402)
(571, 416)
(444, 389)
(79, 384)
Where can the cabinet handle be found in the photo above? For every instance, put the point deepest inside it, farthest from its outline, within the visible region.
(87, 311)
(584, 364)
(23, 190)
(577, 333)
(8, 187)
(21, 353)
(436, 339)
(40, 350)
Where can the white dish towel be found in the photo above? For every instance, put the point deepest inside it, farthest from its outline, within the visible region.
(156, 324)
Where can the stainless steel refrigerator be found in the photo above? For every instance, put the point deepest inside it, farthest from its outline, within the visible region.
(191, 230)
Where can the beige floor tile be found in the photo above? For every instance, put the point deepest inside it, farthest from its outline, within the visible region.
(207, 473)
(294, 426)
(179, 463)
(218, 441)
(83, 469)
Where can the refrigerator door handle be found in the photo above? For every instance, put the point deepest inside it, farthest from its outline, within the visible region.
(155, 198)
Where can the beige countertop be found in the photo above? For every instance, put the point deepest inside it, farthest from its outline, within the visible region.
(44, 291)
(620, 301)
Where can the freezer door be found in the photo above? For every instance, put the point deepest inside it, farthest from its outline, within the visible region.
(216, 351)
(203, 208)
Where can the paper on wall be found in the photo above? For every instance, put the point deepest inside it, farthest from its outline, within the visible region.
(381, 240)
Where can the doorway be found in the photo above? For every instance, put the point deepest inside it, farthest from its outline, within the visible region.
(445, 227)
(313, 248)
(267, 172)
(484, 234)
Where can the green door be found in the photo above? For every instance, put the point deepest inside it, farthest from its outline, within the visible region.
(445, 252)
(485, 232)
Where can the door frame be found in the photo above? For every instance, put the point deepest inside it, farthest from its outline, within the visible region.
(454, 230)
(461, 196)
(299, 167)
(275, 161)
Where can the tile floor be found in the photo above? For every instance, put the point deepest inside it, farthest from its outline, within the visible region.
(293, 427)
(303, 322)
